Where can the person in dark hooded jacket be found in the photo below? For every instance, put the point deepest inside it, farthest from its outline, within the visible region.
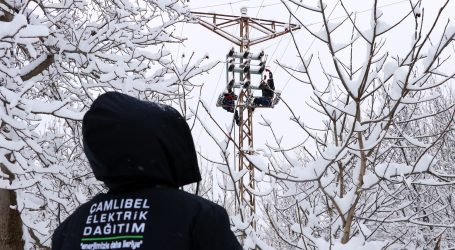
(268, 89)
(143, 152)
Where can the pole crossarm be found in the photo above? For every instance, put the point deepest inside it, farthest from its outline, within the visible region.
(267, 29)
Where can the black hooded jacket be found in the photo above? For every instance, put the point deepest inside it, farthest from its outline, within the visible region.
(143, 152)
(268, 86)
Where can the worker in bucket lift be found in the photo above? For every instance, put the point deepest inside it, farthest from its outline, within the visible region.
(228, 102)
(267, 86)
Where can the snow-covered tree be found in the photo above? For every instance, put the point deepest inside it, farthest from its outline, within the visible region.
(377, 177)
(378, 173)
(56, 57)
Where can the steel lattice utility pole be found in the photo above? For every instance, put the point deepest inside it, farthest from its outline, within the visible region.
(268, 29)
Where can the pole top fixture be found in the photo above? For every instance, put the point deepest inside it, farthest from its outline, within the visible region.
(243, 10)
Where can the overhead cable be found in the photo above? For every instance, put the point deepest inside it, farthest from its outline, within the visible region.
(344, 16)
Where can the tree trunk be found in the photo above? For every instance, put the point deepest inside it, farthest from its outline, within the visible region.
(10, 220)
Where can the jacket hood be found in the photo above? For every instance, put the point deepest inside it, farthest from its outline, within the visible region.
(127, 140)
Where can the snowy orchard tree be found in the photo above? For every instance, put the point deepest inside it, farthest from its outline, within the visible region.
(377, 177)
(378, 174)
(56, 57)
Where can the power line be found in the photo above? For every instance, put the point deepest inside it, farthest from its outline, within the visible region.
(296, 9)
(235, 2)
(260, 7)
(330, 19)
(211, 100)
(219, 78)
(217, 5)
(273, 4)
(257, 14)
(180, 44)
(284, 53)
(216, 87)
(362, 11)
(312, 42)
(279, 3)
(358, 12)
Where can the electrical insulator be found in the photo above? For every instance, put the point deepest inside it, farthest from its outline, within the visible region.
(231, 67)
(261, 55)
(246, 54)
(246, 68)
(261, 69)
(231, 52)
